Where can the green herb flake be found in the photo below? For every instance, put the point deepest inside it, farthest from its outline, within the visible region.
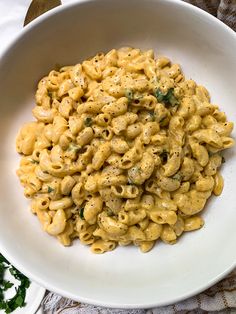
(50, 189)
(223, 160)
(110, 212)
(33, 161)
(81, 213)
(152, 115)
(129, 94)
(74, 147)
(19, 301)
(88, 121)
(168, 99)
(6, 285)
(159, 95)
(177, 176)
(171, 98)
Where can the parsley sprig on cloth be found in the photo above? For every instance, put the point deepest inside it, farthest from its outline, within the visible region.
(18, 300)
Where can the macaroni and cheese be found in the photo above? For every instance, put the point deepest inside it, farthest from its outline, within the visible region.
(124, 150)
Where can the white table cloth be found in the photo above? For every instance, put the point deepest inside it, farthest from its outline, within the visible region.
(222, 296)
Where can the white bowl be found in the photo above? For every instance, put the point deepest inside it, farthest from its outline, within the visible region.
(123, 278)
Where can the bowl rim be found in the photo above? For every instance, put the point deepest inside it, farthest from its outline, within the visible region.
(70, 296)
(40, 19)
(18, 264)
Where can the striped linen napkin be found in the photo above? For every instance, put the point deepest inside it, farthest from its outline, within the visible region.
(224, 10)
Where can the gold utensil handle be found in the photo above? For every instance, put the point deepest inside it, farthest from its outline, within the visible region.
(38, 7)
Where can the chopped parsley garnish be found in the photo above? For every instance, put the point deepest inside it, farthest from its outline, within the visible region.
(223, 160)
(6, 285)
(18, 300)
(88, 121)
(74, 147)
(81, 213)
(168, 99)
(110, 212)
(50, 189)
(33, 161)
(177, 176)
(152, 115)
(129, 94)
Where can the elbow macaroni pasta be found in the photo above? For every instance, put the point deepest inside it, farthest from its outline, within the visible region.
(124, 151)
